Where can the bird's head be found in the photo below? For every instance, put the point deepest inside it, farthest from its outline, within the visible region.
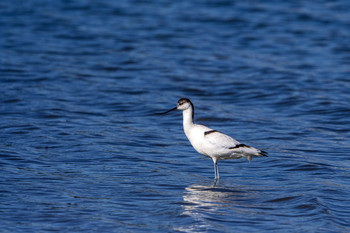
(182, 104)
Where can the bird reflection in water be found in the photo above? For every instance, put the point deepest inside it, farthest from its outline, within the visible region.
(201, 201)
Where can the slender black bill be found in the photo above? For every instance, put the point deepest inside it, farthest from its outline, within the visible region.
(166, 111)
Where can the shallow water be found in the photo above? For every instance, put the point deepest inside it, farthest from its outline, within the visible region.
(81, 148)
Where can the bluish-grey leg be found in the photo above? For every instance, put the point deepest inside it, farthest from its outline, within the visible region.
(216, 169)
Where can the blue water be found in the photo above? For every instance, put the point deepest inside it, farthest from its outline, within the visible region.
(81, 149)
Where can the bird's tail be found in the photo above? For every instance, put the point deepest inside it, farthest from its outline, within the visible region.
(259, 153)
(263, 153)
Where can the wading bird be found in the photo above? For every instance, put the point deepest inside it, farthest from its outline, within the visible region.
(210, 142)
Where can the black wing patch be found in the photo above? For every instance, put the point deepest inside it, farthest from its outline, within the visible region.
(210, 131)
(263, 153)
(239, 146)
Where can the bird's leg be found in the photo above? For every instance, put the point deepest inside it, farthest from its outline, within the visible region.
(216, 169)
(215, 182)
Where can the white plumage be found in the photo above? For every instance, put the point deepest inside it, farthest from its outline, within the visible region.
(212, 143)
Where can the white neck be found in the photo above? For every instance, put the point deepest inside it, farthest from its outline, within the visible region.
(187, 119)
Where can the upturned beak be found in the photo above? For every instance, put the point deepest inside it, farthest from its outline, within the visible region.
(166, 111)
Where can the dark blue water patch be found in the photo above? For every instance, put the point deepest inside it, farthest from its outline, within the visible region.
(82, 149)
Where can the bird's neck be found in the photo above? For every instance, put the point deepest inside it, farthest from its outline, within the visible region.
(187, 119)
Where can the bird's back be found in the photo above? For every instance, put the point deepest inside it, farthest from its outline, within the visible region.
(209, 142)
(215, 144)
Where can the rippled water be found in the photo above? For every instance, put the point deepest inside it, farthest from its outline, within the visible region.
(81, 148)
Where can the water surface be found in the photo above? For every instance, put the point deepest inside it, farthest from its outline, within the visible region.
(81, 148)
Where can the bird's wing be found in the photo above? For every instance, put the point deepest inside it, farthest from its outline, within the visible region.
(219, 139)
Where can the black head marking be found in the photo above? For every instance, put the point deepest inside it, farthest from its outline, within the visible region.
(183, 101)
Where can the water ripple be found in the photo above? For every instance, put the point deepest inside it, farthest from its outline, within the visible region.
(82, 149)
